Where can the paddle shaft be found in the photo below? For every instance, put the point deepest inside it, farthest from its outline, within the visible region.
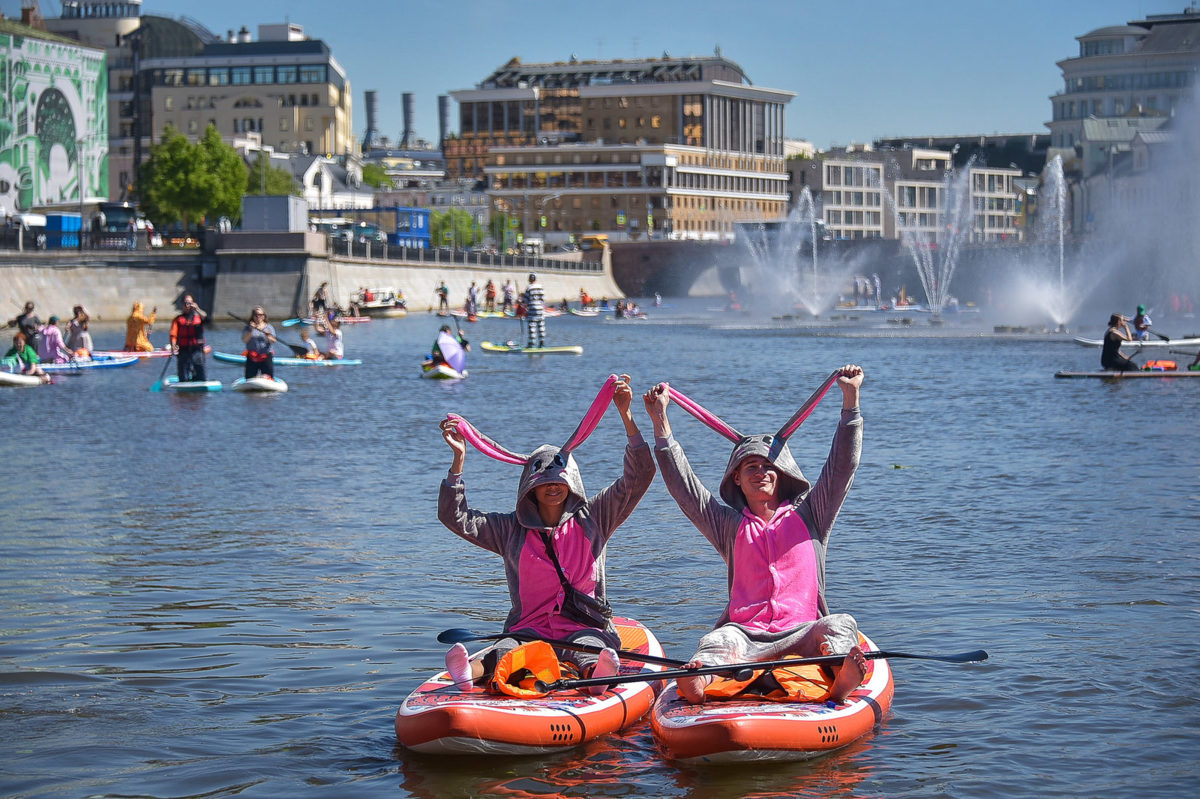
(558, 644)
(833, 660)
(296, 349)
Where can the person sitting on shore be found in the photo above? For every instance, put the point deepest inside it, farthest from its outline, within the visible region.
(1111, 358)
(22, 358)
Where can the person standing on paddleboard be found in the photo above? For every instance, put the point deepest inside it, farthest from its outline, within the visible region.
(258, 336)
(1117, 333)
(535, 312)
(772, 531)
(187, 341)
(553, 544)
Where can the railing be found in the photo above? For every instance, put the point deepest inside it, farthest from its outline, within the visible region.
(445, 256)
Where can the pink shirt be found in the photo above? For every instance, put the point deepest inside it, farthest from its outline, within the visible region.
(542, 592)
(775, 584)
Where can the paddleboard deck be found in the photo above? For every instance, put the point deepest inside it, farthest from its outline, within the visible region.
(439, 718)
(1145, 373)
(228, 357)
(260, 384)
(193, 386)
(516, 348)
(751, 731)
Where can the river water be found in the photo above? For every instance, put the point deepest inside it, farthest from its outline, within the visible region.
(229, 595)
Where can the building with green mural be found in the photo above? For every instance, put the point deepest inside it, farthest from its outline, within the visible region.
(53, 121)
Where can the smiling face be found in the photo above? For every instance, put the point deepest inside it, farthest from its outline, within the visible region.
(757, 478)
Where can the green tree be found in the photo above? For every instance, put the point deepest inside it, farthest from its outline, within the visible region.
(186, 182)
(375, 175)
(267, 179)
(453, 227)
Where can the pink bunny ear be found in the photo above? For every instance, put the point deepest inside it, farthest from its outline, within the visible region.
(704, 416)
(485, 444)
(810, 404)
(591, 419)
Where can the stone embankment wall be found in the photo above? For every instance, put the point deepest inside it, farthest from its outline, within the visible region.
(238, 274)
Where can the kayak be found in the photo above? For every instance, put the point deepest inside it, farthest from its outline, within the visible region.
(750, 730)
(1126, 375)
(193, 386)
(511, 347)
(160, 353)
(16, 379)
(1189, 341)
(441, 371)
(259, 384)
(439, 718)
(95, 362)
(228, 357)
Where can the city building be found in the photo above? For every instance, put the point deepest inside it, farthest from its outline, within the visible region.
(285, 87)
(679, 148)
(862, 193)
(53, 121)
(1145, 67)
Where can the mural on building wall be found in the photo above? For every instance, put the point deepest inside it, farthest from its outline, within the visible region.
(53, 124)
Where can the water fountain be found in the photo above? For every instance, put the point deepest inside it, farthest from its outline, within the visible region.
(785, 261)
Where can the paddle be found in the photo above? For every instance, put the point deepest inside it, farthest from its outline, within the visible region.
(158, 385)
(296, 349)
(459, 636)
(976, 656)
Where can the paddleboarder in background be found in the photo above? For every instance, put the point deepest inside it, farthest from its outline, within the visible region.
(1111, 358)
(1141, 324)
(187, 341)
(554, 543)
(137, 329)
(258, 335)
(535, 312)
(772, 530)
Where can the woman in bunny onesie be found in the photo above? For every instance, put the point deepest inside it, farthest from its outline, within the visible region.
(772, 530)
(554, 521)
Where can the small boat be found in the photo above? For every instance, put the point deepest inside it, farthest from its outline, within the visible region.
(192, 386)
(18, 380)
(1189, 341)
(260, 384)
(439, 718)
(159, 353)
(384, 303)
(441, 371)
(752, 731)
(513, 347)
(95, 362)
(228, 357)
(1143, 373)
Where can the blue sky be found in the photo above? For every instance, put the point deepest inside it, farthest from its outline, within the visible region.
(861, 69)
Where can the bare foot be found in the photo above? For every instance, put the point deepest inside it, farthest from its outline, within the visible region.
(692, 688)
(849, 676)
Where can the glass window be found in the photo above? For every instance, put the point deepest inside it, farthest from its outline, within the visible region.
(312, 73)
(264, 74)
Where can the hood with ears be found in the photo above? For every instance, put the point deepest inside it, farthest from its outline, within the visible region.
(546, 465)
(793, 485)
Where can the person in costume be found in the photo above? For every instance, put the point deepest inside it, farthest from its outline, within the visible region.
(137, 325)
(450, 349)
(554, 543)
(771, 527)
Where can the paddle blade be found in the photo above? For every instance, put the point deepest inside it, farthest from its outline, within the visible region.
(457, 635)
